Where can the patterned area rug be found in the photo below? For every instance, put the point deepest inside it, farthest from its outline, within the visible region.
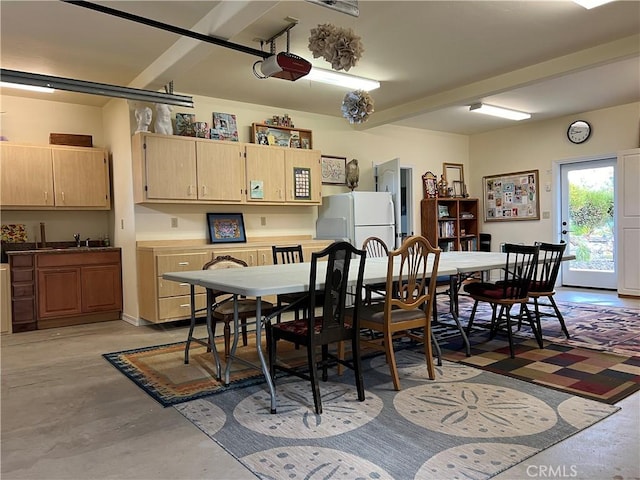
(593, 374)
(611, 329)
(468, 423)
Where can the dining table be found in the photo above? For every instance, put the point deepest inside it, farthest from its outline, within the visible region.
(260, 281)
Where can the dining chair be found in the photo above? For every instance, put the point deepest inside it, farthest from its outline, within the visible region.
(544, 281)
(222, 308)
(329, 327)
(512, 289)
(375, 248)
(406, 310)
(284, 255)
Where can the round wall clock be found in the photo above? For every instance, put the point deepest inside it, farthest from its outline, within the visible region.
(579, 131)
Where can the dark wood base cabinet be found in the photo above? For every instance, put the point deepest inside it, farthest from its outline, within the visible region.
(70, 288)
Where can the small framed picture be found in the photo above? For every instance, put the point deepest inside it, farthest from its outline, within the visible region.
(443, 211)
(430, 185)
(226, 228)
(334, 170)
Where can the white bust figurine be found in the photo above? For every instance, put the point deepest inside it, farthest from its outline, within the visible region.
(143, 117)
(163, 119)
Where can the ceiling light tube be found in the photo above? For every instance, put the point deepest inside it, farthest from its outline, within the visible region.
(92, 88)
(342, 79)
(589, 4)
(499, 112)
(31, 88)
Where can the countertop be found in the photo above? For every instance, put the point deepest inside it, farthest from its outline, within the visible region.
(64, 250)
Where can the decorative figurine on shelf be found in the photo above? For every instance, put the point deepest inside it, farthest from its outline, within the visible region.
(143, 117)
(443, 189)
(163, 119)
(430, 185)
(353, 174)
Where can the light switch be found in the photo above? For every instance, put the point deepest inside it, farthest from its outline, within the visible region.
(174, 222)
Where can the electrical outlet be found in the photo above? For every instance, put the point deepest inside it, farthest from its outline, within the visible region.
(263, 221)
(174, 222)
(546, 215)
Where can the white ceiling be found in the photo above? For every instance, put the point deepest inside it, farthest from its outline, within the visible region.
(433, 58)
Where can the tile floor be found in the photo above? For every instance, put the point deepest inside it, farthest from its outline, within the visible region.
(68, 414)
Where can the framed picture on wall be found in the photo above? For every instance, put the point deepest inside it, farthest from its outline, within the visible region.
(334, 170)
(511, 196)
(226, 228)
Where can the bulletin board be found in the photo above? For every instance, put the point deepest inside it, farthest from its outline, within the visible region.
(511, 196)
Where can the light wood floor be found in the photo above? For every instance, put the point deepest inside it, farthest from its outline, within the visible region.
(68, 414)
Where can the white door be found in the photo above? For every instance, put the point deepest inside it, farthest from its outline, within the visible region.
(390, 177)
(588, 223)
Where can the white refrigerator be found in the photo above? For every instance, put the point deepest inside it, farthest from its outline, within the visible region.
(355, 216)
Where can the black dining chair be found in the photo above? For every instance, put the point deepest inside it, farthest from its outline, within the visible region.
(318, 331)
(543, 284)
(284, 255)
(512, 289)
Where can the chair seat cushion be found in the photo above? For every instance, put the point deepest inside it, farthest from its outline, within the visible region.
(299, 327)
(375, 313)
(244, 306)
(494, 291)
(540, 288)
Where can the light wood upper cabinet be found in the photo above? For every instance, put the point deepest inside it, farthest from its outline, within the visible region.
(81, 178)
(169, 167)
(174, 169)
(265, 169)
(221, 171)
(26, 176)
(61, 177)
(302, 176)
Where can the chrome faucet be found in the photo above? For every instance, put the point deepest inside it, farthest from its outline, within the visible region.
(77, 238)
(86, 242)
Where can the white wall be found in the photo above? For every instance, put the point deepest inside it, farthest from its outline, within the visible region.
(537, 145)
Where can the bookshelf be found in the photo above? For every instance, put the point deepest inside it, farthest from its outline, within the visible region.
(450, 223)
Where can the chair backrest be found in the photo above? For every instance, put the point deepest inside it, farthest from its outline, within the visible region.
(412, 274)
(375, 247)
(292, 254)
(548, 266)
(332, 326)
(224, 261)
(518, 270)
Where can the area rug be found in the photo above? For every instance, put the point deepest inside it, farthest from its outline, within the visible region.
(611, 329)
(161, 372)
(468, 423)
(594, 374)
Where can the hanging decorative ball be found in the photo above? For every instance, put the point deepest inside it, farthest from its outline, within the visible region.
(357, 106)
(341, 47)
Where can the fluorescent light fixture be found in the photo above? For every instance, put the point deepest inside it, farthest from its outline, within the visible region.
(589, 4)
(342, 79)
(31, 88)
(92, 88)
(499, 112)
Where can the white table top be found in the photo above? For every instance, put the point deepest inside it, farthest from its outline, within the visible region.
(276, 279)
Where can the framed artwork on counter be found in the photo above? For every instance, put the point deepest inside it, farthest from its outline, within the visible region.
(226, 228)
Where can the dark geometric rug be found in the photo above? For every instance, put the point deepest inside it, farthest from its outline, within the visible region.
(467, 424)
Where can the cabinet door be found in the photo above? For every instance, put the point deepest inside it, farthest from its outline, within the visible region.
(81, 178)
(26, 176)
(170, 168)
(101, 288)
(265, 168)
(220, 172)
(302, 176)
(59, 292)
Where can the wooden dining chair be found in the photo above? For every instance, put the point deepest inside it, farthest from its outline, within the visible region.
(318, 332)
(375, 248)
(222, 309)
(512, 289)
(543, 284)
(407, 306)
